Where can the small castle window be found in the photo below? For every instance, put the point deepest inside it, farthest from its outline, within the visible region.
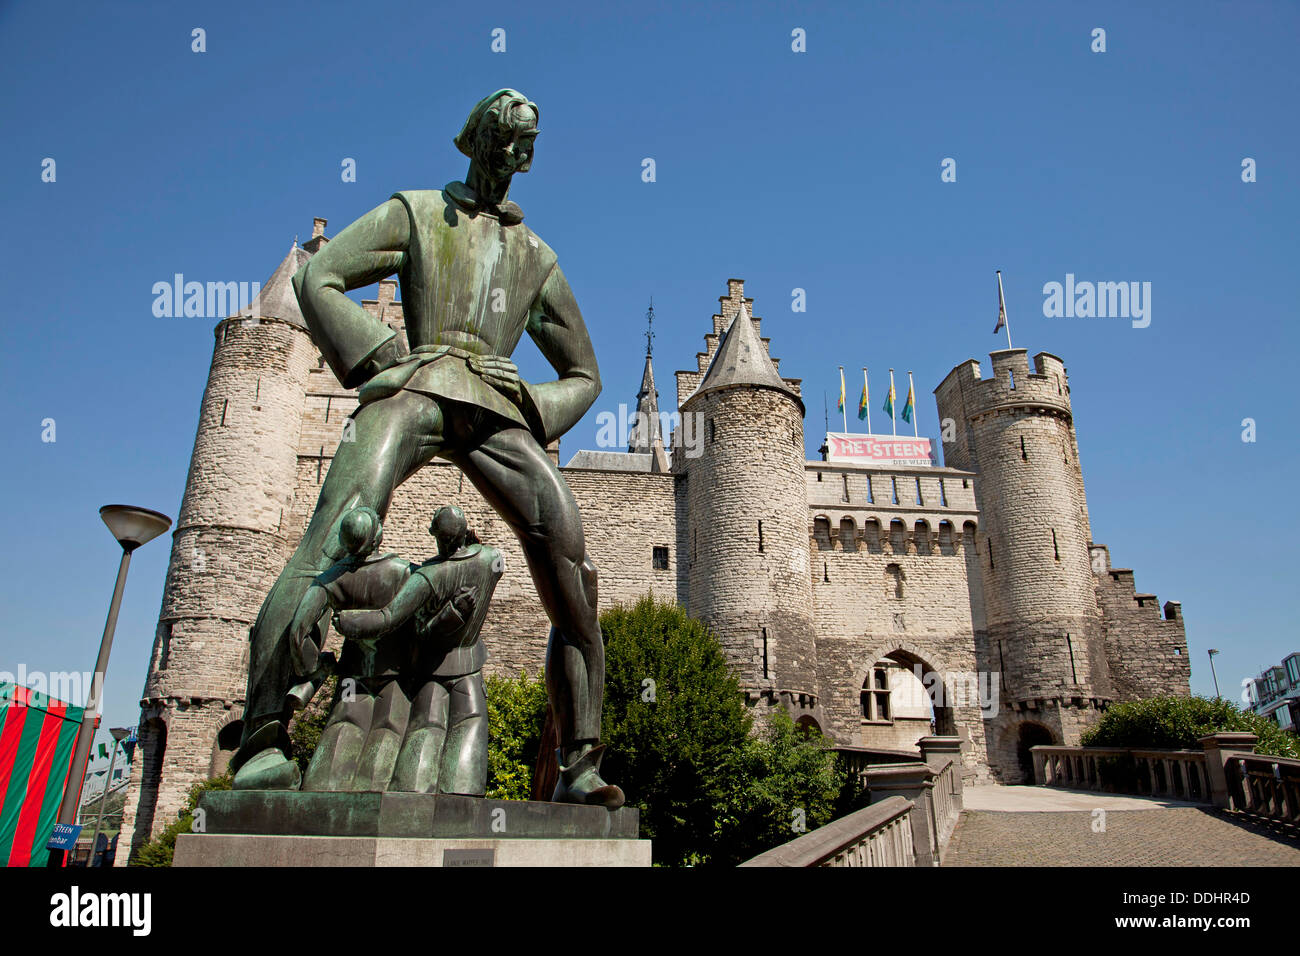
(898, 536)
(893, 484)
(871, 535)
(1024, 455)
(767, 664)
(871, 495)
(822, 533)
(874, 698)
(659, 557)
(826, 573)
(760, 537)
(946, 543)
(965, 482)
(819, 476)
(713, 431)
(894, 581)
(846, 488)
(943, 495)
(1055, 548)
(1011, 379)
(848, 535)
(922, 537)
(919, 499)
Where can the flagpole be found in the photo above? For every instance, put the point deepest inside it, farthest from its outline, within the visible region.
(844, 411)
(893, 402)
(867, 393)
(912, 394)
(1002, 301)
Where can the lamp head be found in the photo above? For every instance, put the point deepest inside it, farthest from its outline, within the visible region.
(133, 526)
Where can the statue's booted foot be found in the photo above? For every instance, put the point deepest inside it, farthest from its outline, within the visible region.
(267, 766)
(580, 781)
(268, 770)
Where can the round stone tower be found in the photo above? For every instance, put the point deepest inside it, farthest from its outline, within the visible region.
(746, 509)
(1015, 430)
(231, 540)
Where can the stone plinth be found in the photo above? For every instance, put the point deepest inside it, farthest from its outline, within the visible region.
(276, 828)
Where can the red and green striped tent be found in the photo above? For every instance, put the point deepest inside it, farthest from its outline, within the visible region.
(36, 738)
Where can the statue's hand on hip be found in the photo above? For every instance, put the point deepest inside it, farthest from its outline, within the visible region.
(499, 372)
(386, 356)
(464, 601)
(304, 653)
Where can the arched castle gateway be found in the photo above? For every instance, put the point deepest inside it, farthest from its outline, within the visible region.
(839, 591)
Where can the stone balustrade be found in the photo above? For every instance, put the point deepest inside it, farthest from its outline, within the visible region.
(1173, 774)
(1263, 785)
(878, 835)
(915, 804)
(1225, 772)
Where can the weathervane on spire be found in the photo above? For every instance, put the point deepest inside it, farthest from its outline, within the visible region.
(650, 328)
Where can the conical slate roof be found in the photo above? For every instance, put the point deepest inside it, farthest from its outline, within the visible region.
(276, 299)
(647, 406)
(742, 360)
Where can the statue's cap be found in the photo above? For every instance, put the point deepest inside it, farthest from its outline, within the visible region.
(359, 530)
(465, 138)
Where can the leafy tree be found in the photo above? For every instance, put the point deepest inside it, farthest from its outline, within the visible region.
(674, 721)
(159, 850)
(1177, 723)
(787, 783)
(516, 710)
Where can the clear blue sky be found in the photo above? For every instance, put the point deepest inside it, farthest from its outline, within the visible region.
(818, 171)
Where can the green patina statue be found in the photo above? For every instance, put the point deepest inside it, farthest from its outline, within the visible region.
(409, 712)
(473, 280)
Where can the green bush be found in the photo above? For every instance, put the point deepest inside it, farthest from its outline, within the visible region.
(787, 783)
(516, 711)
(675, 722)
(159, 850)
(1178, 723)
(683, 748)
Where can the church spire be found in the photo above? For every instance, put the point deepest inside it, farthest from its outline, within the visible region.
(645, 428)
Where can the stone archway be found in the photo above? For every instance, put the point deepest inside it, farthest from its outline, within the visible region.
(1030, 734)
(963, 710)
(807, 725)
(943, 721)
(226, 743)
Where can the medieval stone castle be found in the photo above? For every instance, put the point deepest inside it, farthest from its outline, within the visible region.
(837, 589)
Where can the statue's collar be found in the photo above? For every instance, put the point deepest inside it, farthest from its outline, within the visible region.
(508, 212)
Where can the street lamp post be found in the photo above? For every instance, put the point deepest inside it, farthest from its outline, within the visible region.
(1214, 651)
(131, 527)
(118, 734)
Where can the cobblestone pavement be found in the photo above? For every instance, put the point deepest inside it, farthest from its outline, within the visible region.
(1171, 836)
(1057, 798)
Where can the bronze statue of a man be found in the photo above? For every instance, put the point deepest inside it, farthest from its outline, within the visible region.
(473, 280)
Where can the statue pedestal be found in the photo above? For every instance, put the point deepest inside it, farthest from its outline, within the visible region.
(283, 828)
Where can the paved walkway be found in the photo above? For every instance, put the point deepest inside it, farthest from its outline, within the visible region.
(1041, 826)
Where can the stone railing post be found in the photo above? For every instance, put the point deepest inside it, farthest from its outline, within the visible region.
(915, 782)
(935, 750)
(1219, 749)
